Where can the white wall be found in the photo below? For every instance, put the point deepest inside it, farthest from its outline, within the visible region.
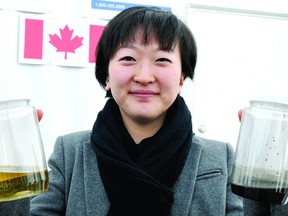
(237, 55)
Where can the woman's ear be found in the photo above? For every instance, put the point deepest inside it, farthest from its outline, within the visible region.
(181, 83)
(107, 87)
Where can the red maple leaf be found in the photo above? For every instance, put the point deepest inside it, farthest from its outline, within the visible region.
(65, 43)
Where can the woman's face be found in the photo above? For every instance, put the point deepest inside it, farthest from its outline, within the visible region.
(145, 81)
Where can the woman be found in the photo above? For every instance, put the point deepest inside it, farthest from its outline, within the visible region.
(142, 157)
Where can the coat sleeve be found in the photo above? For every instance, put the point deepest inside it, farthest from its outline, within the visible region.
(255, 208)
(234, 203)
(251, 207)
(15, 208)
(52, 202)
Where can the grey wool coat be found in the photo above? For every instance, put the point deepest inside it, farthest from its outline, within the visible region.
(75, 188)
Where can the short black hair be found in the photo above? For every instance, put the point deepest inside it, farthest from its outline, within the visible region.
(163, 26)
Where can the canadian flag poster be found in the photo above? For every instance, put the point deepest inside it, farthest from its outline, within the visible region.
(43, 40)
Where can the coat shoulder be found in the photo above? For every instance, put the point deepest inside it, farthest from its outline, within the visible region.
(76, 137)
(215, 154)
(69, 147)
(213, 146)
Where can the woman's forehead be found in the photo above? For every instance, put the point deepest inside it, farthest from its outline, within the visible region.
(146, 38)
(138, 42)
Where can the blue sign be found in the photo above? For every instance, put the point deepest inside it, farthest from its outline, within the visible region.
(118, 6)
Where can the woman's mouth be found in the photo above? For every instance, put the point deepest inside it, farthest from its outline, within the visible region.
(143, 94)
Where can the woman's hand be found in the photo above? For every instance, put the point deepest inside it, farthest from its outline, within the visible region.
(39, 114)
(240, 114)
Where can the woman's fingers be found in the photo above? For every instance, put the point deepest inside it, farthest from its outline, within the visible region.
(39, 114)
(240, 114)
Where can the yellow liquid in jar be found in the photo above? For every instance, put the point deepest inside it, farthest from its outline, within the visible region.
(18, 182)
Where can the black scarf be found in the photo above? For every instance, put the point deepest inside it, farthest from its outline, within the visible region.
(141, 185)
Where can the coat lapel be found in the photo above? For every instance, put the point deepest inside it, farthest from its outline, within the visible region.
(184, 186)
(96, 199)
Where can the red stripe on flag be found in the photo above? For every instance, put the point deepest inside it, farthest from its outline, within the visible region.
(95, 34)
(33, 42)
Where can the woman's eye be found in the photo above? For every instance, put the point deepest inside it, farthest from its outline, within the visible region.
(163, 60)
(127, 58)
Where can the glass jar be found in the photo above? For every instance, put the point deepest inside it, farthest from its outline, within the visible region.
(260, 170)
(23, 167)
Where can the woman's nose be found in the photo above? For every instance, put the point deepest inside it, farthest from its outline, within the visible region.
(144, 74)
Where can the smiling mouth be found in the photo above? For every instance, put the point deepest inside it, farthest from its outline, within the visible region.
(143, 94)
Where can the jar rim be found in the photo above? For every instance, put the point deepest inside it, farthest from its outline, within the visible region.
(13, 102)
(270, 98)
(277, 105)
